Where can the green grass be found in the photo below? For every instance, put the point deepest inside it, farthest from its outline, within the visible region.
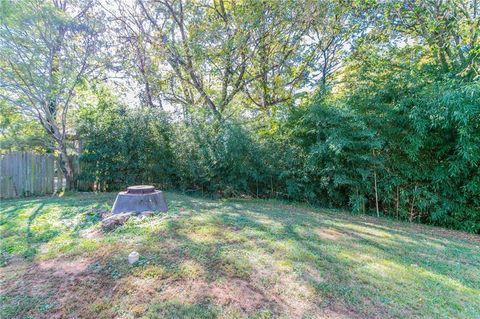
(229, 259)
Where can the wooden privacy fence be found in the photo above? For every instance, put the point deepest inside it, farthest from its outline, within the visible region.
(27, 174)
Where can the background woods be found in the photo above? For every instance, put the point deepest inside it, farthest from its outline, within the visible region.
(367, 105)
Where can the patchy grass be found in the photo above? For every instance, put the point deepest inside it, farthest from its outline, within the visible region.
(229, 259)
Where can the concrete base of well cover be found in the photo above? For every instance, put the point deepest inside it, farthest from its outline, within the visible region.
(139, 199)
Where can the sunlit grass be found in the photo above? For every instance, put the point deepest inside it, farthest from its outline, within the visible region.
(229, 259)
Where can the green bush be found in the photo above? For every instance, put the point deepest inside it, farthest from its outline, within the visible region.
(122, 147)
(420, 143)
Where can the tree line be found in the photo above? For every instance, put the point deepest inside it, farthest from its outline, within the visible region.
(368, 105)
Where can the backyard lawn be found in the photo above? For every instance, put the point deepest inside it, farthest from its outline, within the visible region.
(229, 259)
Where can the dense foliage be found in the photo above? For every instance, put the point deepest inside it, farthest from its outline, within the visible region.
(419, 162)
(122, 147)
(370, 105)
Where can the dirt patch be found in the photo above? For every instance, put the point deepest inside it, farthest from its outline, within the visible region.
(59, 268)
(236, 293)
(68, 287)
(329, 233)
(239, 293)
(91, 233)
(313, 275)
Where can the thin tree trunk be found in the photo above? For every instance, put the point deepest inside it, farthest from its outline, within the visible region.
(412, 206)
(376, 192)
(398, 201)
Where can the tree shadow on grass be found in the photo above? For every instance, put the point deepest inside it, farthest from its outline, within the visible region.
(36, 238)
(15, 234)
(394, 248)
(223, 259)
(434, 259)
(285, 233)
(21, 234)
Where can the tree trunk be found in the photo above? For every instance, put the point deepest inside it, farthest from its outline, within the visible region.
(412, 216)
(376, 192)
(66, 167)
(398, 202)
